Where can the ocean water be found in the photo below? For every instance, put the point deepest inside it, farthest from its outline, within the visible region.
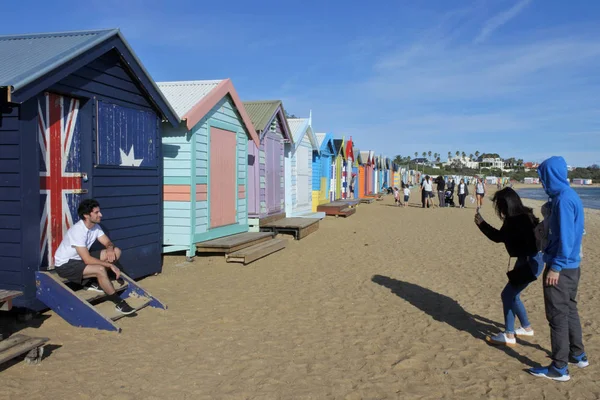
(590, 197)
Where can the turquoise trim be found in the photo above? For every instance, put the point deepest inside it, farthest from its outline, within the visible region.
(181, 180)
(221, 231)
(223, 125)
(192, 248)
(172, 249)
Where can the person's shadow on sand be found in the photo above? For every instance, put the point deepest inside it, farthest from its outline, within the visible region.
(445, 309)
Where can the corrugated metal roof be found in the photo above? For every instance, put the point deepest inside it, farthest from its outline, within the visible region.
(261, 112)
(24, 58)
(297, 126)
(184, 95)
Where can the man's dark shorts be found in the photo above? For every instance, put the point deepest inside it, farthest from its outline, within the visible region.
(72, 270)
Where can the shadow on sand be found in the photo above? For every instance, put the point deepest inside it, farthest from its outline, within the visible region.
(447, 310)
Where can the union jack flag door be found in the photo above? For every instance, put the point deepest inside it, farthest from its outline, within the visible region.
(59, 137)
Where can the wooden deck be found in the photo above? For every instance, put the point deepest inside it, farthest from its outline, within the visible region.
(367, 200)
(233, 243)
(6, 297)
(337, 208)
(253, 253)
(299, 227)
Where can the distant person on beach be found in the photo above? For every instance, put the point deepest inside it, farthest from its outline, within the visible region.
(427, 189)
(441, 189)
(479, 192)
(463, 192)
(353, 187)
(406, 191)
(396, 196)
(562, 255)
(518, 235)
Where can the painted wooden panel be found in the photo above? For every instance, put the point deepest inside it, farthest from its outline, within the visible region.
(201, 192)
(176, 193)
(59, 133)
(126, 136)
(223, 180)
(303, 177)
(241, 191)
(10, 204)
(253, 179)
(273, 151)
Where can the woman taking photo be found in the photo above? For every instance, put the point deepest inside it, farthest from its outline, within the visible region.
(518, 235)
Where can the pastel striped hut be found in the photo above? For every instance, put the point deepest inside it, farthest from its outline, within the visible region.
(205, 164)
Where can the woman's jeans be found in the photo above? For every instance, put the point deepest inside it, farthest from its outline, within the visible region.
(461, 199)
(513, 307)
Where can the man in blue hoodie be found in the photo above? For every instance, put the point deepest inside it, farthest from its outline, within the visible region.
(562, 256)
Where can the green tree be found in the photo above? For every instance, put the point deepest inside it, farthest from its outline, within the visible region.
(449, 155)
(416, 154)
(471, 156)
(477, 154)
(457, 153)
(424, 154)
(464, 155)
(429, 154)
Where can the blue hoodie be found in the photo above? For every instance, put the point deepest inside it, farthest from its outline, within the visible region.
(566, 221)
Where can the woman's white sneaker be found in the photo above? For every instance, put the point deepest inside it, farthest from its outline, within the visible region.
(501, 340)
(523, 332)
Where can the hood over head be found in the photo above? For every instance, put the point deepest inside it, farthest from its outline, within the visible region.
(553, 174)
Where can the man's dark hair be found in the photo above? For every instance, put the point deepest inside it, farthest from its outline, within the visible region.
(86, 207)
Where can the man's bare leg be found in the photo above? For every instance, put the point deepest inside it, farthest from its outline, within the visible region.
(99, 272)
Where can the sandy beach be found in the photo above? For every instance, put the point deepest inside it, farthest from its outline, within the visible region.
(389, 303)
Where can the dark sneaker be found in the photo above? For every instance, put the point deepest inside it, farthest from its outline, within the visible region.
(93, 287)
(580, 361)
(551, 372)
(124, 308)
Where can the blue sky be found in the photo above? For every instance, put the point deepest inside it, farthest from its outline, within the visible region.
(516, 77)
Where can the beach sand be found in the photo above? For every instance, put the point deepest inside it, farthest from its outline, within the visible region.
(389, 303)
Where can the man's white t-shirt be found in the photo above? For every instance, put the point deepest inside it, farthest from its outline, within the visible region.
(427, 185)
(78, 236)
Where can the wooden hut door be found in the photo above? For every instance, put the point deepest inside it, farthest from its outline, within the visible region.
(223, 187)
(274, 151)
(303, 192)
(59, 137)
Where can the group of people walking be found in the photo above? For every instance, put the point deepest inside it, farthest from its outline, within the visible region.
(444, 191)
(554, 243)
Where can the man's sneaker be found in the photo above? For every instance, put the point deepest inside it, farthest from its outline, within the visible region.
(551, 372)
(523, 332)
(124, 308)
(94, 287)
(580, 361)
(501, 340)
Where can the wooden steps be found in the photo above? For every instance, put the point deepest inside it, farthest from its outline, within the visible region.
(229, 244)
(17, 345)
(337, 208)
(367, 200)
(299, 227)
(74, 303)
(255, 252)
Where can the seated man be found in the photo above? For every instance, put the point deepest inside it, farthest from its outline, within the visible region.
(73, 260)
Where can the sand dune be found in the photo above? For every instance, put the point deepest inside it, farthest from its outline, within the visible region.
(389, 303)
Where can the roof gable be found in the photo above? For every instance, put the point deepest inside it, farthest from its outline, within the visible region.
(300, 127)
(325, 141)
(263, 113)
(31, 63)
(192, 100)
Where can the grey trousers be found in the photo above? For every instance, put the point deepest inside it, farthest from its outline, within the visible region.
(441, 198)
(563, 317)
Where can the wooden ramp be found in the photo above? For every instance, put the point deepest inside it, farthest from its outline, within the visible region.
(337, 208)
(299, 227)
(230, 244)
(253, 253)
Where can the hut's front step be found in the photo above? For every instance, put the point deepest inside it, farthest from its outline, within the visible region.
(346, 212)
(233, 243)
(253, 253)
(299, 227)
(367, 200)
(87, 308)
